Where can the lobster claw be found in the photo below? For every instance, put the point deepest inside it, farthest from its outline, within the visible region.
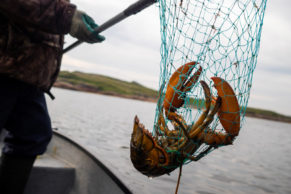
(179, 85)
(229, 112)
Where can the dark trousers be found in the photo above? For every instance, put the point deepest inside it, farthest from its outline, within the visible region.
(24, 114)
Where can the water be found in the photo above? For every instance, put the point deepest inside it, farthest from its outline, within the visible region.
(258, 162)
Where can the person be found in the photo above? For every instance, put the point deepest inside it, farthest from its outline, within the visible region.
(31, 42)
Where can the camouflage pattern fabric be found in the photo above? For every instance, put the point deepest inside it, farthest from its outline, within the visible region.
(31, 39)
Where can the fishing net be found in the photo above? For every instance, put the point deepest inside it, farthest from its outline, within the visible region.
(223, 36)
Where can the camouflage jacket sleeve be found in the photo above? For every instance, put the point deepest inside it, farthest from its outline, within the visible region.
(52, 16)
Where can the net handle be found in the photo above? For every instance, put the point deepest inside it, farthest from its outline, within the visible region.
(131, 10)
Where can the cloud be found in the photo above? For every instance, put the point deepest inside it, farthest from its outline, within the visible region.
(275, 44)
(271, 90)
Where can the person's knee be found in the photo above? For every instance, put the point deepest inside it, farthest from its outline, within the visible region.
(41, 141)
(46, 140)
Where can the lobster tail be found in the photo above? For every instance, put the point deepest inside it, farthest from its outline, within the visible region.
(146, 155)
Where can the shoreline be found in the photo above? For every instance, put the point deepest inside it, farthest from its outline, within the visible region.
(83, 88)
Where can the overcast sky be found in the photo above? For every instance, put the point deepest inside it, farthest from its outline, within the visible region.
(131, 51)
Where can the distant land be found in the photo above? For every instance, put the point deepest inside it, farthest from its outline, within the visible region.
(101, 84)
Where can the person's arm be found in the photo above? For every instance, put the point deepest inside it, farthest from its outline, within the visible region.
(53, 16)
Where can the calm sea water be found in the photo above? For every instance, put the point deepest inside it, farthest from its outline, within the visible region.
(258, 162)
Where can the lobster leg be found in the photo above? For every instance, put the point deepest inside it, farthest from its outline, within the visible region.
(208, 119)
(194, 134)
(162, 124)
(162, 128)
(201, 155)
(215, 138)
(202, 117)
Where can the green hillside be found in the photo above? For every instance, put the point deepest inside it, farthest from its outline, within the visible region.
(266, 114)
(103, 84)
(110, 86)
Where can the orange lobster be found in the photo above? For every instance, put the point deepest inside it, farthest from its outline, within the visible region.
(161, 154)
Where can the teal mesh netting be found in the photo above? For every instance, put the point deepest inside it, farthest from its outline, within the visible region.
(223, 36)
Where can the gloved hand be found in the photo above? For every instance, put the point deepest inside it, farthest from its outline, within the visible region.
(82, 28)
